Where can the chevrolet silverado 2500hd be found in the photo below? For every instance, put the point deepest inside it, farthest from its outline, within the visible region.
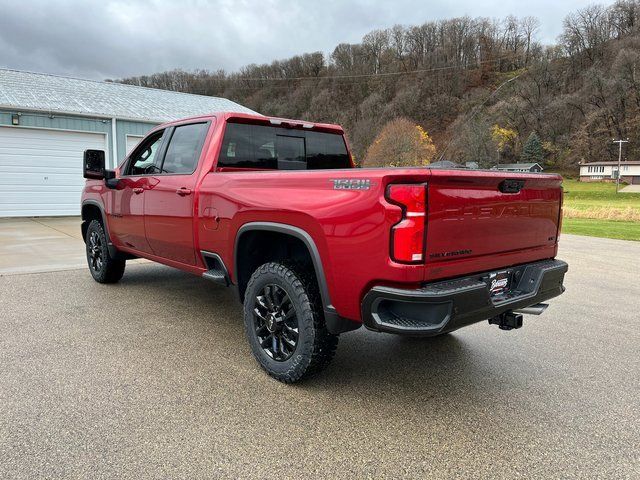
(314, 247)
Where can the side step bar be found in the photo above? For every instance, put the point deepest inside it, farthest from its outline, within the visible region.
(217, 276)
(217, 271)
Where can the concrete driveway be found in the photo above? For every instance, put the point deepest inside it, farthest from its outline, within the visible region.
(43, 244)
(29, 245)
(152, 378)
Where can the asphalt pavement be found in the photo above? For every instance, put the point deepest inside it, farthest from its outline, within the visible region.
(152, 378)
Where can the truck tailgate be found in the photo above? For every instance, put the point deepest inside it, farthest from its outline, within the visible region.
(471, 216)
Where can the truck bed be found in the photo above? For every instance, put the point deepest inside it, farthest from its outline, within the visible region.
(471, 225)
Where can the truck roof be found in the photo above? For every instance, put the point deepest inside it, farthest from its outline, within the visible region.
(251, 118)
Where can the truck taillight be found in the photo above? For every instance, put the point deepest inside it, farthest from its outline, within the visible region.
(408, 235)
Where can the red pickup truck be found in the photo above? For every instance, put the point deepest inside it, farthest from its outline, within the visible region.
(314, 247)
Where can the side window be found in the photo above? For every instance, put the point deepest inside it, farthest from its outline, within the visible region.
(145, 160)
(184, 148)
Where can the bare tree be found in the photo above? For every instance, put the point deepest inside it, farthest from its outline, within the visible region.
(529, 26)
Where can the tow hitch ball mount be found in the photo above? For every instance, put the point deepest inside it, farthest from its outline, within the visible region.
(507, 321)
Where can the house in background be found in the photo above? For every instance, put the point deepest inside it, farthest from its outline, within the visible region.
(607, 172)
(47, 121)
(519, 167)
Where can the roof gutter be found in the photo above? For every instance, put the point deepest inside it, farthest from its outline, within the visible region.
(96, 116)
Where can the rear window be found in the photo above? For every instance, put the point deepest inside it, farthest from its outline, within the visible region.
(275, 148)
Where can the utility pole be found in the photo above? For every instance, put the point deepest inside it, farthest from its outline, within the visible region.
(619, 142)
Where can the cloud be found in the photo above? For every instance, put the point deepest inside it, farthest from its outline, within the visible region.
(112, 39)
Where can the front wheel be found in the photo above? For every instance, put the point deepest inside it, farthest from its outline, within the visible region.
(103, 267)
(284, 322)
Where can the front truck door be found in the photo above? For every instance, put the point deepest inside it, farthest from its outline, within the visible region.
(126, 220)
(169, 201)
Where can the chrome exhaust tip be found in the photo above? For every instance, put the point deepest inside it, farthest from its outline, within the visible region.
(533, 309)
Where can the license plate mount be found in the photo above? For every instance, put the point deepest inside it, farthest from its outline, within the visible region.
(499, 283)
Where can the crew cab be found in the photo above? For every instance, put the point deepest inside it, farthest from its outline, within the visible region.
(313, 247)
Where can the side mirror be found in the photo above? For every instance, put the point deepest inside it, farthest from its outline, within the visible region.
(93, 164)
(110, 179)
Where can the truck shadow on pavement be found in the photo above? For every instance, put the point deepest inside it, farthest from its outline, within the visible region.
(366, 363)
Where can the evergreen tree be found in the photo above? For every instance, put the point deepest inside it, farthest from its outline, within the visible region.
(533, 151)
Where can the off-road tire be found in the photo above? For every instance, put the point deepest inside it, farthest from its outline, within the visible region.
(103, 267)
(315, 346)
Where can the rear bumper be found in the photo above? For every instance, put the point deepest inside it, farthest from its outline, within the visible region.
(446, 306)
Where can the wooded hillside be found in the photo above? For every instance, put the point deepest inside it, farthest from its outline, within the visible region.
(574, 96)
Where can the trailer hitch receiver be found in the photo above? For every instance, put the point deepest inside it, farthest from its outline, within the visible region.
(507, 321)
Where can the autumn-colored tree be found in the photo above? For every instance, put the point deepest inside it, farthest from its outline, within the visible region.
(503, 136)
(401, 143)
(505, 139)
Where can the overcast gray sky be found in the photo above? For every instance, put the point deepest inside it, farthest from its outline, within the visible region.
(112, 39)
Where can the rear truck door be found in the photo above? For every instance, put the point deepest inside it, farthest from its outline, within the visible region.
(490, 218)
(169, 200)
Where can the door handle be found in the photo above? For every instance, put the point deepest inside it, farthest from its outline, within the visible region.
(183, 191)
(138, 190)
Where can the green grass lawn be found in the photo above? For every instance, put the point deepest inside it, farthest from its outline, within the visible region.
(593, 201)
(602, 228)
(587, 195)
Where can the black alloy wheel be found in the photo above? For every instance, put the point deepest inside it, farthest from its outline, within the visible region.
(95, 252)
(104, 267)
(284, 321)
(276, 322)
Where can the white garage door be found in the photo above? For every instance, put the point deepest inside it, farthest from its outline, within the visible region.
(132, 141)
(41, 170)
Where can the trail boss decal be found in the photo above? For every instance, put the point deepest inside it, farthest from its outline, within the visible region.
(351, 184)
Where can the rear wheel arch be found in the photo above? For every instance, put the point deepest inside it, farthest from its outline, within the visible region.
(261, 242)
(258, 243)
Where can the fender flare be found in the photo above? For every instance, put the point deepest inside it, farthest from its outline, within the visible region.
(112, 249)
(335, 323)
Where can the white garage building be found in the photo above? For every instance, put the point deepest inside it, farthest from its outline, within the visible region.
(47, 121)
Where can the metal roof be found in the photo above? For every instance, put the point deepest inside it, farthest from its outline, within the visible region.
(52, 93)
(611, 163)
